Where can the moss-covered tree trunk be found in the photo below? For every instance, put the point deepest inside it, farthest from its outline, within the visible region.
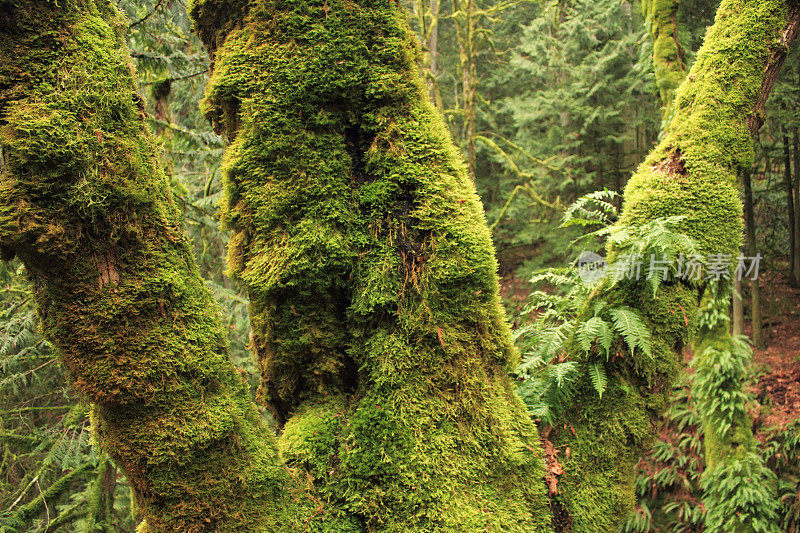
(693, 174)
(85, 205)
(374, 295)
(668, 58)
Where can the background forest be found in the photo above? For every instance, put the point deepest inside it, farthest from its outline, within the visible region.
(549, 100)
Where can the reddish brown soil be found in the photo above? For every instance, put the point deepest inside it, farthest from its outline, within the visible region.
(778, 385)
(515, 292)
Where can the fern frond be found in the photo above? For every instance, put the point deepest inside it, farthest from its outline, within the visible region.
(581, 214)
(564, 373)
(595, 329)
(557, 276)
(630, 325)
(597, 373)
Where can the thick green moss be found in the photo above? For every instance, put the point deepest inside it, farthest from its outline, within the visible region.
(370, 269)
(85, 205)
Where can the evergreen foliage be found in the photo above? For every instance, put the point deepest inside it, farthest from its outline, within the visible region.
(575, 113)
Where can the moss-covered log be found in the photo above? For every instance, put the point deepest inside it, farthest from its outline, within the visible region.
(692, 173)
(371, 273)
(85, 205)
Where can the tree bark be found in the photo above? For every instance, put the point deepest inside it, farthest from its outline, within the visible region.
(433, 50)
(795, 278)
(466, 24)
(427, 15)
(738, 307)
(787, 180)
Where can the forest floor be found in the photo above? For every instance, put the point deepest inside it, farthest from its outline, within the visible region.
(776, 366)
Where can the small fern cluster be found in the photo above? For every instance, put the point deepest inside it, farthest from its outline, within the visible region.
(736, 497)
(577, 330)
(673, 487)
(668, 480)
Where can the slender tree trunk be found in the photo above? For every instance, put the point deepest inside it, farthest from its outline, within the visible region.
(86, 207)
(795, 278)
(427, 15)
(466, 23)
(109, 488)
(668, 61)
(738, 307)
(433, 50)
(751, 248)
(161, 93)
(787, 180)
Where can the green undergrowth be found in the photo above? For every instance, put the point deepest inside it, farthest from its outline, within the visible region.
(674, 487)
(672, 478)
(597, 360)
(584, 346)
